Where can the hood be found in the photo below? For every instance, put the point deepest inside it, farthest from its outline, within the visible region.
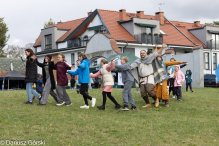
(87, 61)
(190, 72)
(177, 66)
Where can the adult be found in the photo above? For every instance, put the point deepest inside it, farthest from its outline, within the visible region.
(31, 76)
(83, 78)
(144, 74)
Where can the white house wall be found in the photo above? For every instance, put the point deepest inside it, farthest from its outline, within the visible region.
(96, 21)
(38, 49)
(62, 45)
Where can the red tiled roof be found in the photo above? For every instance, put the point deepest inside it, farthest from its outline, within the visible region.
(169, 51)
(197, 47)
(111, 19)
(115, 46)
(38, 41)
(173, 36)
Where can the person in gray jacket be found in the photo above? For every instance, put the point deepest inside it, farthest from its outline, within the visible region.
(127, 79)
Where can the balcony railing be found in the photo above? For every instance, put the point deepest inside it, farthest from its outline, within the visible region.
(149, 39)
(77, 42)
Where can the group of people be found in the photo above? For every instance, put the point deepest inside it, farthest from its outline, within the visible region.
(150, 73)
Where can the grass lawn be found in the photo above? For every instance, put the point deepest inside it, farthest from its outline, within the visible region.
(194, 121)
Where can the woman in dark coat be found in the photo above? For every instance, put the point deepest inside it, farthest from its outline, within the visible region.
(48, 78)
(31, 75)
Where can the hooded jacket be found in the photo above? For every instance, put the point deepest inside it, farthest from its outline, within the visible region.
(180, 77)
(188, 76)
(82, 72)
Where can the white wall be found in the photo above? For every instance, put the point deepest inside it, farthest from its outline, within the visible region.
(96, 21)
(39, 69)
(38, 49)
(62, 45)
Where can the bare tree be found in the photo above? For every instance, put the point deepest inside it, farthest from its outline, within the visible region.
(13, 51)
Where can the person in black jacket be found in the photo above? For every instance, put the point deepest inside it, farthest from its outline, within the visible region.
(31, 76)
(48, 78)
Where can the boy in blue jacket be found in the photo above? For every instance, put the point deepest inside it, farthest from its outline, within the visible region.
(83, 78)
(188, 77)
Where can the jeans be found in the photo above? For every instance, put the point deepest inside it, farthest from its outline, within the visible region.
(31, 91)
(190, 86)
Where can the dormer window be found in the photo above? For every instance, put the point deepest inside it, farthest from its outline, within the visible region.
(48, 41)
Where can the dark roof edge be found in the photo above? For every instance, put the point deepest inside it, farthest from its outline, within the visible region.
(81, 25)
(179, 30)
(196, 28)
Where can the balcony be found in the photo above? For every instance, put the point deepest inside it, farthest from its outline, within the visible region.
(78, 42)
(149, 38)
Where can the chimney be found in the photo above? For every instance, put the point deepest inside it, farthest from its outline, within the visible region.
(122, 14)
(89, 13)
(140, 14)
(160, 16)
(197, 23)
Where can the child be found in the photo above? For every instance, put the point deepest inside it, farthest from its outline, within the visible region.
(83, 78)
(127, 79)
(39, 86)
(48, 78)
(188, 77)
(179, 79)
(61, 68)
(108, 82)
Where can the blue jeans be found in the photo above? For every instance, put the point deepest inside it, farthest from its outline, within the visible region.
(31, 91)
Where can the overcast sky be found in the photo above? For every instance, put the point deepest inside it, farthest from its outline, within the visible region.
(25, 18)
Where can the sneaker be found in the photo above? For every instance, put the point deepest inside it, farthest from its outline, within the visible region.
(85, 106)
(101, 107)
(68, 104)
(173, 96)
(28, 102)
(118, 106)
(192, 91)
(147, 105)
(166, 104)
(133, 108)
(93, 101)
(60, 104)
(125, 108)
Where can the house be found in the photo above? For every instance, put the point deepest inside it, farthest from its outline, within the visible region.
(104, 32)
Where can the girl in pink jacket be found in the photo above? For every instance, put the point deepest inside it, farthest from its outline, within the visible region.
(179, 79)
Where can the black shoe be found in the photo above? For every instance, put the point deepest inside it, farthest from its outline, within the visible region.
(118, 106)
(133, 108)
(101, 107)
(28, 102)
(125, 108)
(41, 104)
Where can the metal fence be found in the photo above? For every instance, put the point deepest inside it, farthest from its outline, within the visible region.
(77, 42)
(149, 39)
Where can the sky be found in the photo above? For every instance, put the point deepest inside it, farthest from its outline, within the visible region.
(26, 18)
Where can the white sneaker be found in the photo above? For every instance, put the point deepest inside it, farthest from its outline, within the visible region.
(93, 101)
(173, 96)
(60, 104)
(85, 106)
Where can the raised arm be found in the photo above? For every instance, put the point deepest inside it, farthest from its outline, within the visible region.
(98, 74)
(173, 63)
(39, 64)
(110, 66)
(161, 49)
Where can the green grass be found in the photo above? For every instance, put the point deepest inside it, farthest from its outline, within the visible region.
(194, 121)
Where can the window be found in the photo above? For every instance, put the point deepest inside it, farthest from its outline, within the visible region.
(48, 41)
(146, 29)
(215, 41)
(207, 61)
(214, 61)
(95, 62)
